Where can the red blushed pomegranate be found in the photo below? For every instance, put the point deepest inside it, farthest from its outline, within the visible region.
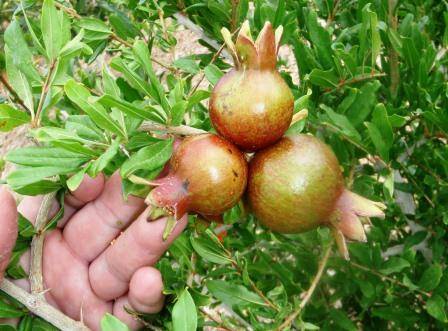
(296, 185)
(251, 105)
(207, 175)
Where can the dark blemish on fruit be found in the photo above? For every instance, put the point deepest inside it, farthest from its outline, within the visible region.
(230, 151)
(185, 184)
(235, 173)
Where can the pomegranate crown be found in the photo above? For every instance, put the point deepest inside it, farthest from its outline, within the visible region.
(261, 54)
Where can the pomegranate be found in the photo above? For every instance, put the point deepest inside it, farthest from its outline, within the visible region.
(251, 105)
(207, 175)
(296, 185)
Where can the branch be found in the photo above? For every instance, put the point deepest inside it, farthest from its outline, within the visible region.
(43, 94)
(392, 280)
(181, 130)
(36, 278)
(310, 291)
(14, 94)
(37, 305)
(355, 80)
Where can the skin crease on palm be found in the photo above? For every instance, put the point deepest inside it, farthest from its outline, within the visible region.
(100, 258)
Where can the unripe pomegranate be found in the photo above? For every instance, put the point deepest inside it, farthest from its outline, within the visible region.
(296, 185)
(207, 175)
(251, 105)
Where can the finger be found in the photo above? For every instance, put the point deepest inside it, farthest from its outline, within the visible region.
(89, 189)
(145, 296)
(140, 245)
(92, 228)
(66, 278)
(8, 226)
(146, 290)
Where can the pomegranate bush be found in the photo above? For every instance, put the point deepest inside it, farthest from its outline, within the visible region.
(326, 130)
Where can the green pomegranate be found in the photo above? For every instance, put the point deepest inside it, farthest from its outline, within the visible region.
(207, 175)
(251, 105)
(296, 185)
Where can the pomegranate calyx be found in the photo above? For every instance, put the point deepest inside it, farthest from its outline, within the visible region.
(261, 54)
(170, 194)
(351, 212)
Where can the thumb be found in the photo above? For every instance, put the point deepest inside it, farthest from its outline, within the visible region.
(8, 228)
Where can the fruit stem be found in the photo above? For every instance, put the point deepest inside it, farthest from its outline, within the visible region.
(310, 291)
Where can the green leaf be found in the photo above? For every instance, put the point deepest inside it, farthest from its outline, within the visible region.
(109, 84)
(209, 249)
(213, 73)
(178, 112)
(79, 95)
(381, 121)
(26, 176)
(6, 327)
(42, 325)
(18, 81)
(46, 157)
(394, 264)
(144, 113)
(143, 56)
(37, 188)
(431, 278)
(342, 123)
(23, 58)
(95, 29)
(51, 29)
(11, 118)
(184, 313)
(74, 181)
(102, 162)
(111, 323)
(365, 100)
(232, 294)
(26, 228)
(436, 307)
(197, 97)
(320, 39)
(75, 46)
(9, 311)
(148, 158)
(325, 79)
(187, 64)
(134, 80)
(378, 141)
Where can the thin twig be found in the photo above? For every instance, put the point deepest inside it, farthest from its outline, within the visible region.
(255, 287)
(393, 56)
(310, 291)
(214, 319)
(185, 21)
(233, 17)
(37, 305)
(355, 80)
(14, 94)
(43, 94)
(392, 280)
(215, 56)
(181, 130)
(36, 278)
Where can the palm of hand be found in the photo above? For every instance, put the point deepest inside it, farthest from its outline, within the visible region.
(100, 258)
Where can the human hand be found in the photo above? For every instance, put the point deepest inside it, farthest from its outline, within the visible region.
(100, 258)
